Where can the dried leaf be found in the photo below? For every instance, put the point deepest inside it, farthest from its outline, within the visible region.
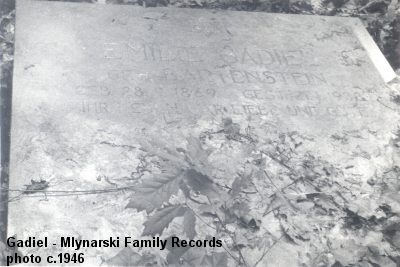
(189, 223)
(161, 219)
(34, 186)
(201, 183)
(175, 253)
(240, 183)
(198, 156)
(212, 211)
(230, 128)
(153, 192)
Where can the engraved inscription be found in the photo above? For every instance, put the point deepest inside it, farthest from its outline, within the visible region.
(148, 77)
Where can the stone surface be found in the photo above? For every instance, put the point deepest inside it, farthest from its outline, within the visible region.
(92, 83)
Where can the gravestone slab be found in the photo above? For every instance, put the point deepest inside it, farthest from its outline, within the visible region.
(96, 85)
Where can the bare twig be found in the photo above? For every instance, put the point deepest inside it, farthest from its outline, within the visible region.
(280, 193)
(201, 219)
(232, 237)
(267, 250)
(198, 216)
(277, 160)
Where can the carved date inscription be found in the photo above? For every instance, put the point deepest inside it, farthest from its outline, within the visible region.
(219, 70)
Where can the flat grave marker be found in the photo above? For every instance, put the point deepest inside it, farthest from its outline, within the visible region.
(91, 82)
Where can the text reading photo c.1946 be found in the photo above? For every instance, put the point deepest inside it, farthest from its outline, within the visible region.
(137, 133)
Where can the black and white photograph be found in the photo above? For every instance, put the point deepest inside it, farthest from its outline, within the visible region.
(215, 133)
